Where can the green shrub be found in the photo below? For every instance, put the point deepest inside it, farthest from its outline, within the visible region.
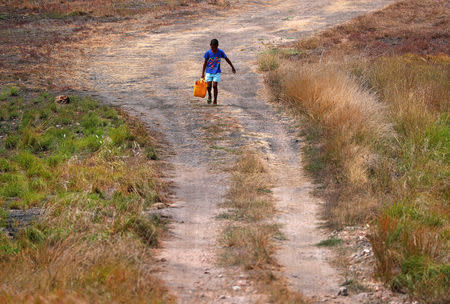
(17, 188)
(150, 152)
(14, 115)
(28, 118)
(38, 169)
(30, 138)
(26, 160)
(424, 279)
(87, 104)
(7, 246)
(5, 166)
(54, 160)
(147, 229)
(90, 122)
(119, 135)
(33, 235)
(90, 143)
(11, 91)
(38, 184)
(44, 114)
(11, 141)
(4, 115)
(110, 113)
(4, 214)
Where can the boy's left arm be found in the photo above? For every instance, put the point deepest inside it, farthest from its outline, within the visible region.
(232, 67)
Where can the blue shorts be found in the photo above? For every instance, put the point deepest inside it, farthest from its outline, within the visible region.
(212, 77)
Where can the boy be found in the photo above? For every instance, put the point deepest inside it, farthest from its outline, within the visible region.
(212, 67)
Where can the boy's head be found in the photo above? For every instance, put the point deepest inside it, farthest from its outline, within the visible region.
(214, 45)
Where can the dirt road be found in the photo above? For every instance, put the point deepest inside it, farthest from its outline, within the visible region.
(152, 74)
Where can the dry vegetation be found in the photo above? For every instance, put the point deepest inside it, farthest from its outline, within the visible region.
(90, 169)
(378, 128)
(248, 239)
(41, 41)
(97, 8)
(412, 26)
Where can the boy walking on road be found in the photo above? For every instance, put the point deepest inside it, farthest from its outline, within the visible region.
(212, 67)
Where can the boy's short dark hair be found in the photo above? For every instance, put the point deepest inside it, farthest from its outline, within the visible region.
(214, 42)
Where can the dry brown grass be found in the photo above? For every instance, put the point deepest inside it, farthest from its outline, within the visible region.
(94, 242)
(417, 26)
(352, 120)
(248, 238)
(378, 141)
(75, 271)
(99, 8)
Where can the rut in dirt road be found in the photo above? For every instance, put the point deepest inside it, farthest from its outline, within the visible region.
(151, 74)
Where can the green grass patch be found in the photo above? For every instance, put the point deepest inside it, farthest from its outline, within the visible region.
(78, 162)
(331, 242)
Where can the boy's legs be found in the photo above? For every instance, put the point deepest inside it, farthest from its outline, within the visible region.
(209, 91)
(216, 91)
(212, 80)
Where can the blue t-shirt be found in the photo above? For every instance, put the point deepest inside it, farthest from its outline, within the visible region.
(213, 63)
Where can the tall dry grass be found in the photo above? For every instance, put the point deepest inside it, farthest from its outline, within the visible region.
(379, 142)
(248, 237)
(353, 122)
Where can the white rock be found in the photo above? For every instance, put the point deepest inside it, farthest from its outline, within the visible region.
(343, 291)
(236, 288)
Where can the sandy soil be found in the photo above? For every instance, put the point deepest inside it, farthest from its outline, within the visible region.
(152, 74)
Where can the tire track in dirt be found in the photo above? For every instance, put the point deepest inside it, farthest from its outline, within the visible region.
(151, 74)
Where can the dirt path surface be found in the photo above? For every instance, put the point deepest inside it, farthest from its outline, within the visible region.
(152, 73)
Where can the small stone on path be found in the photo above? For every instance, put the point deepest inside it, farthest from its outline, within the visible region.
(343, 291)
(158, 206)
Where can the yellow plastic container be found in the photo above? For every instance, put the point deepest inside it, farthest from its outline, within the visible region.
(200, 88)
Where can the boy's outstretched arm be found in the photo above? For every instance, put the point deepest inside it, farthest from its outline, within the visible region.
(232, 67)
(204, 68)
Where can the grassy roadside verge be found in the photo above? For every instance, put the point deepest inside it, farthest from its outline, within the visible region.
(248, 239)
(90, 169)
(378, 131)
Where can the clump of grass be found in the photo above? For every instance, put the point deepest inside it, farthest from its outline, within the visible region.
(248, 238)
(247, 197)
(268, 60)
(7, 92)
(148, 229)
(249, 247)
(94, 183)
